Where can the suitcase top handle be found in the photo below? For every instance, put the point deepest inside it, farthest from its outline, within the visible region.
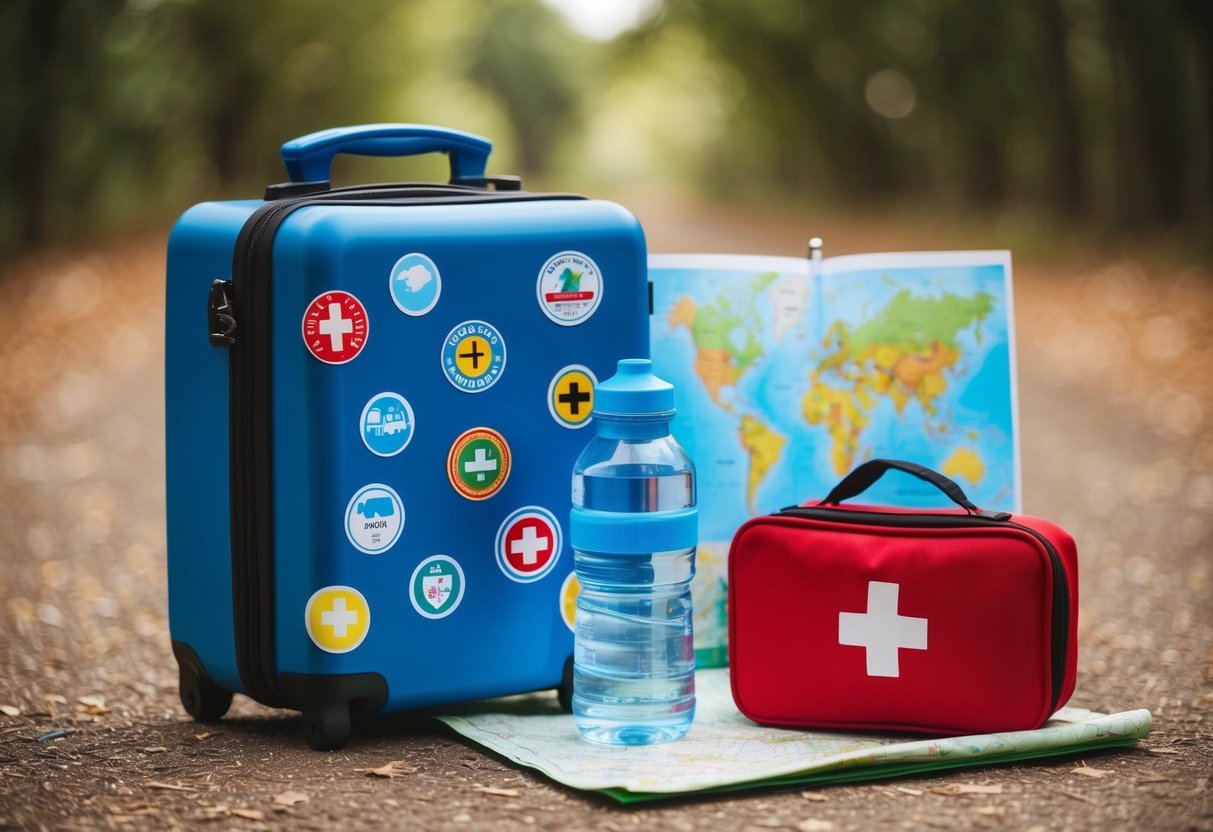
(308, 158)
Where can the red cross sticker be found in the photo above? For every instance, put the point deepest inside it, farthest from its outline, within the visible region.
(335, 327)
(528, 544)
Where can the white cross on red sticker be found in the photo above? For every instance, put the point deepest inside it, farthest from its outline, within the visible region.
(335, 327)
(528, 544)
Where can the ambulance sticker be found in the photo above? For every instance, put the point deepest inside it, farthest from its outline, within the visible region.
(571, 396)
(528, 544)
(436, 587)
(473, 356)
(415, 284)
(337, 618)
(374, 518)
(335, 327)
(386, 424)
(569, 590)
(478, 463)
(569, 288)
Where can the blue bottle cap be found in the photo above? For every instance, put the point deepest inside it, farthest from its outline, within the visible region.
(634, 391)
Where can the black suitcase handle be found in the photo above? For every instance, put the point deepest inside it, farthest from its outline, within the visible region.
(308, 158)
(866, 475)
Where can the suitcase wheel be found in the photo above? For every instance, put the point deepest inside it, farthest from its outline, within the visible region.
(327, 728)
(564, 692)
(203, 699)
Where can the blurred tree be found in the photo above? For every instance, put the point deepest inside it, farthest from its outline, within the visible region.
(527, 59)
(1085, 109)
(120, 110)
(1099, 110)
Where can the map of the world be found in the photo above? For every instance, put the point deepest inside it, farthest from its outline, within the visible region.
(787, 379)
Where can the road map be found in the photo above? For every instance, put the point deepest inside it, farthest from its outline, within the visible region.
(724, 751)
(787, 376)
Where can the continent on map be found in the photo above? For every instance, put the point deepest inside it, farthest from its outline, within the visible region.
(724, 333)
(966, 464)
(764, 447)
(902, 353)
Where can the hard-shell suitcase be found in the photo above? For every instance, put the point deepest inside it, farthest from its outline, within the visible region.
(373, 402)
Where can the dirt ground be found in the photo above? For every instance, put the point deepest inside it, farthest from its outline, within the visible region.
(1116, 400)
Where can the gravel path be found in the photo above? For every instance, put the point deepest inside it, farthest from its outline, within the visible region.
(1116, 403)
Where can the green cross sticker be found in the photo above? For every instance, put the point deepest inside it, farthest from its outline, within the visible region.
(478, 463)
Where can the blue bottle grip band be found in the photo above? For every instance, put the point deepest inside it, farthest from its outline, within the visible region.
(610, 532)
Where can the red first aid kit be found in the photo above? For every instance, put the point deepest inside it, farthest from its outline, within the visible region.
(949, 621)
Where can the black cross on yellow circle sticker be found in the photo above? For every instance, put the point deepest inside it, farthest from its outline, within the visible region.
(472, 356)
(571, 396)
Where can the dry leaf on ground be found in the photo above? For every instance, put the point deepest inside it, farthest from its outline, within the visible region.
(10, 710)
(496, 791)
(170, 787)
(966, 788)
(396, 768)
(816, 797)
(815, 825)
(290, 798)
(249, 814)
(1087, 771)
(909, 791)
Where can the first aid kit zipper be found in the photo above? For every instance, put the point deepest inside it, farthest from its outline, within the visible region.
(238, 317)
(1060, 606)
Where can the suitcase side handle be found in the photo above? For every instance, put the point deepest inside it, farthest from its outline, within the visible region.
(866, 475)
(308, 158)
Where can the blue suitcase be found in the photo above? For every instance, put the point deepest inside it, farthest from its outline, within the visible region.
(370, 443)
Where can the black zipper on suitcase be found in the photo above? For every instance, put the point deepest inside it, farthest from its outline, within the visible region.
(1060, 642)
(238, 314)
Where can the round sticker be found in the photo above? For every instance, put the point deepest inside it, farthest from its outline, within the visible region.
(473, 356)
(415, 284)
(528, 544)
(569, 590)
(569, 288)
(335, 327)
(374, 518)
(436, 587)
(478, 463)
(386, 424)
(337, 618)
(571, 396)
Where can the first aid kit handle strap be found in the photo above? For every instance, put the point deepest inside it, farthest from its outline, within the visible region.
(863, 477)
(308, 158)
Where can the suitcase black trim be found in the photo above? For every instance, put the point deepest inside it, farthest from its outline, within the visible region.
(326, 703)
(250, 415)
(204, 700)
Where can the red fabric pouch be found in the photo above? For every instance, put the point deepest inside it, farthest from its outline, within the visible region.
(951, 621)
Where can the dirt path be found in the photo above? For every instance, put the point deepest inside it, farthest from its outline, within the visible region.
(1116, 406)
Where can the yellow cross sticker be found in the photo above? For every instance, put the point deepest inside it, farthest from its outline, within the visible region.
(569, 591)
(571, 396)
(473, 356)
(337, 618)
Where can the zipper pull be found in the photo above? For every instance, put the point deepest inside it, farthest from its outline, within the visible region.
(220, 314)
(994, 515)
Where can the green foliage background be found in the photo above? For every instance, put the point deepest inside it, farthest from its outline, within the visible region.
(1093, 114)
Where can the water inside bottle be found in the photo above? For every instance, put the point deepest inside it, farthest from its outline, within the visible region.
(634, 487)
(634, 670)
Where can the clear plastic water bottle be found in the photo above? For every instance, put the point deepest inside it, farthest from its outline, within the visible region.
(633, 528)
